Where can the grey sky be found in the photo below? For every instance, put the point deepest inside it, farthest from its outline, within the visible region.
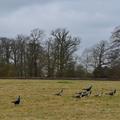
(92, 20)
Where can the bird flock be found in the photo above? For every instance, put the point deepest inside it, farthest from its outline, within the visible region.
(85, 92)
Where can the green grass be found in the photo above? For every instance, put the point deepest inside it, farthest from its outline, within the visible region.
(40, 103)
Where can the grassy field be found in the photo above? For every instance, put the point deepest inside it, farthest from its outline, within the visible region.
(40, 103)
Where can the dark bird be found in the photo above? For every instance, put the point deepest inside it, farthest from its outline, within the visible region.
(17, 101)
(79, 93)
(59, 93)
(88, 88)
(111, 93)
(86, 93)
(82, 94)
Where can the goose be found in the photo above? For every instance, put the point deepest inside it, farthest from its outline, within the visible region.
(17, 101)
(86, 93)
(59, 93)
(88, 88)
(111, 93)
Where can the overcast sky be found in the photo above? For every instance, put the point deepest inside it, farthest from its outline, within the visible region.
(91, 20)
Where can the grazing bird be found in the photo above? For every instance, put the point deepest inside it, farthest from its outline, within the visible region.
(111, 93)
(17, 101)
(88, 88)
(86, 93)
(83, 94)
(59, 93)
(79, 93)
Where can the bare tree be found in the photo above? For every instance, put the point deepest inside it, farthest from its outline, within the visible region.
(86, 60)
(22, 61)
(64, 47)
(35, 53)
(6, 50)
(114, 49)
(114, 53)
(99, 54)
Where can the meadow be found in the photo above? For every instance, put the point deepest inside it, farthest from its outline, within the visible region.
(38, 101)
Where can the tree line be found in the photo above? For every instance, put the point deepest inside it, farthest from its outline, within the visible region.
(104, 57)
(53, 56)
